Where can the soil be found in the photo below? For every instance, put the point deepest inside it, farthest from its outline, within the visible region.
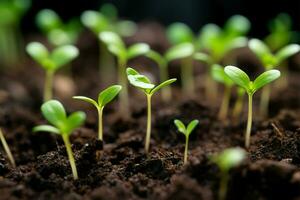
(119, 168)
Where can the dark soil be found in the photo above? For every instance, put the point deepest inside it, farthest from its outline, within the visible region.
(119, 169)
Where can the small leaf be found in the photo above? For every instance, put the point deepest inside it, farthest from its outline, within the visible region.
(108, 95)
(156, 57)
(94, 21)
(86, 99)
(237, 25)
(131, 71)
(178, 33)
(48, 20)
(46, 128)
(238, 76)
(119, 52)
(54, 112)
(287, 52)
(110, 11)
(111, 38)
(180, 126)
(265, 78)
(202, 57)
(137, 50)
(141, 82)
(63, 55)
(38, 52)
(262, 52)
(219, 75)
(180, 51)
(126, 28)
(75, 120)
(192, 125)
(209, 34)
(163, 84)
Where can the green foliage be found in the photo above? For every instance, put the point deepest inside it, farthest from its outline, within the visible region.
(186, 130)
(219, 75)
(180, 51)
(178, 33)
(11, 11)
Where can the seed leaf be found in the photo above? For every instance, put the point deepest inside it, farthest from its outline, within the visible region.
(238, 76)
(287, 51)
(75, 120)
(141, 82)
(180, 126)
(94, 21)
(46, 128)
(192, 126)
(86, 99)
(163, 84)
(38, 52)
(54, 112)
(48, 20)
(265, 78)
(180, 51)
(259, 48)
(108, 95)
(237, 25)
(126, 28)
(208, 35)
(219, 75)
(64, 54)
(137, 50)
(178, 33)
(111, 38)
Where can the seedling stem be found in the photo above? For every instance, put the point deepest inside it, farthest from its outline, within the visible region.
(148, 134)
(70, 155)
(225, 103)
(48, 85)
(7, 150)
(249, 122)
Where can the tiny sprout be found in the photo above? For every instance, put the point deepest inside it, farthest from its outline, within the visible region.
(62, 125)
(104, 98)
(227, 160)
(143, 83)
(51, 62)
(186, 131)
(7, 149)
(240, 78)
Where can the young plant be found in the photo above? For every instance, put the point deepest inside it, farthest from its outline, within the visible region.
(219, 75)
(117, 47)
(51, 62)
(186, 131)
(240, 78)
(143, 83)
(7, 150)
(61, 124)
(270, 61)
(104, 98)
(227, 160)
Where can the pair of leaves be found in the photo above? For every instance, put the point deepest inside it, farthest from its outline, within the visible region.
(268, 59)
(239, 77)
(219, 75)
(143, 82)
(56, 115)
(186, 130)
(54, 60)
(104, 97)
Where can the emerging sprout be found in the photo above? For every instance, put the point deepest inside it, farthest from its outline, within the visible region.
(143, 83)
(51, 62)
(219, 75)
(186, 131)
(242, 79)
(104, 98)
(117, 47)
(62, 125)
(7, 150)
(227, 160)
(270, 61)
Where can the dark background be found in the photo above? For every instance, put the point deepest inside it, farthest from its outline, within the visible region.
(195, 13)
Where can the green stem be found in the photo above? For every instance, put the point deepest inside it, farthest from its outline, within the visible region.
(187, 77)
(164, 75)
(223, 186)
(210, 88)
(186, 150)
(123, 102)
(70, 155)
(238, 106)
(7, 150)
(249, 122)
(225, 103)
(264, 101)
(148, 134)
(48, 85)
(100, 123)
(106, 63)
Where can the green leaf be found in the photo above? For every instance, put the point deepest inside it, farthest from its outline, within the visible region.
(180, 51)
(265, 78)
(237, 25)
(178, 33)
(262, 52)
(108, 95)
(139, 81)
(239, 77)
(131, 71)
(192, 125)
(287, 52)
(46, 128)
(163, 84)
(86, 99)
(209, 35)
(38, 52)
(126, 28)
(110, 11)
(75, 120)
(156, 57)
(180, 126)
(54, 112)
(137, 50)
(219, 75)
(111, 38)
(48, 20)
(95, 21)
(63, 55)
(202, 57)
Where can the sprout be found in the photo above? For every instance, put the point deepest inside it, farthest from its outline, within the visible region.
(227, 160)
(62, 125)
(186, 131)
(270, 61)
(104, 98)
(51, 62)
(143, 83)
(219, 75)
(117, 47)
(58, 33)
(240, 78)
(7, 150)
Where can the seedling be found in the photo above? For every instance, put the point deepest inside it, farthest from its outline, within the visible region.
(51, 62)
(61, 124)
(117, 47)
(143, 83)
(186, 131)
(240, 78)
(219, 75)
(58, 32)
(227, 160)
(7, 150)
(270, 61)
(104, 98)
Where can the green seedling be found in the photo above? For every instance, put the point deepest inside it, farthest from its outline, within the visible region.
(62, 125)
(51, 62)
(186, 131)
(104, 98)
(220, 76)
(240, 78)
(117, 47)
(270, 60)
(7, 150)
(58, 32)
(11, 41)
(227, 160)
(143, 83)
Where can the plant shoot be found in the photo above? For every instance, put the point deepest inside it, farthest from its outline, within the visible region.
(7, 150)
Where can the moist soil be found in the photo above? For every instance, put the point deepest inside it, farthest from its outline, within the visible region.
(119, 168)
